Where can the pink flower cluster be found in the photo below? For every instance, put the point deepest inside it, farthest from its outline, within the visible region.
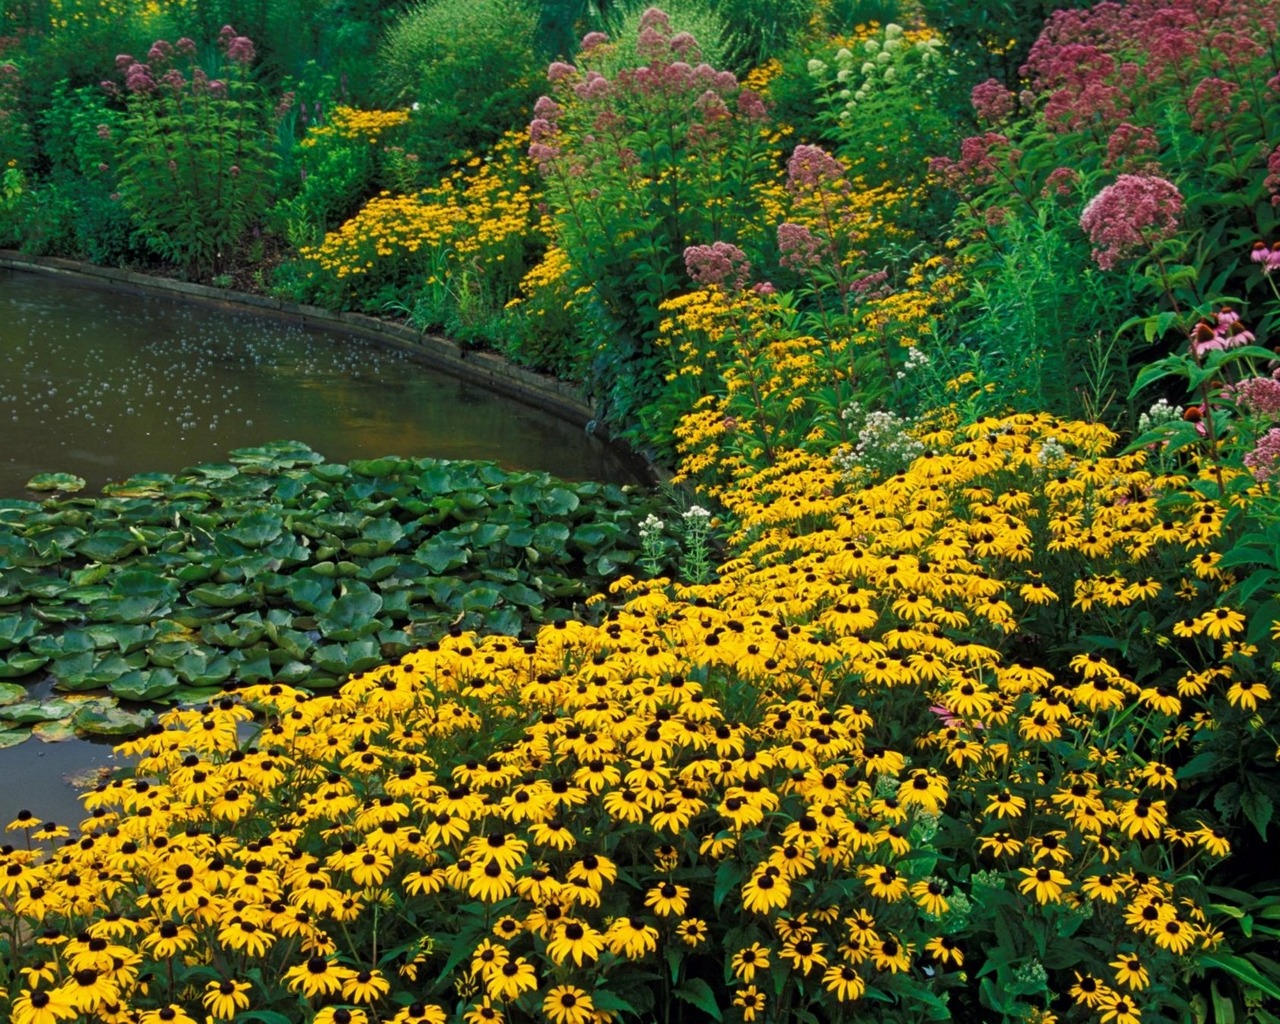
(992, 102)
(720, 263)
(800, 250)
(1225, 332)
(1264, 460)
(1267, 255)
(1130, 148)
(982, 158)
(1259, 395)
(1130, 217)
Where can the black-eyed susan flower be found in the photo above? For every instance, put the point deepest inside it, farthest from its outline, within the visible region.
(803, 954)
(1247, 695)
(747, 961)
(567, 1004)
(420, 1013)
(340, 1015)
(751, 1001)
(692, 931)
(1130, 971)
(484, 1012)
(1045, 884)
(42, 1007)
(929, 895)
(667, 899)
(1175, 935)
(631, 937)
(365, 986)
(576, 939)
(765, 890)
(318, 976)
(512, 979)
(224, 999)
(945, 950)
(175, 1014)
(884, 882)
(889, 954)
(844, 980)
(1116, 1008)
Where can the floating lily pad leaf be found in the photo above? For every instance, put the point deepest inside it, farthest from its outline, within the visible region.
(353, 615)
(311, 594)
(216, 470)
(53, 732)
(56, 482)
(379, 568)
(227, 634)
(126, 638)
(503, 620)
(56, 613)
(479, 598)
(549, 538)
(557, 501)
(442, 556)
(257, 529)
(220, 595)
(30, 712)
(386, 466)
(291, 673)
(110, 668)
(11, 693)
(60, 645)
(377, 537)
(518, 593)
(73, 672)
(45, 587)
(12, 737)
(331, 472)
(21, 663)
(593, 535)
(276, 455)
(90, 575)
(131, 611)
(363, 655)
(255, 670)
(16, 630)
(436, 480)
(145, 684)
(98, 721)
(107, 546)
(395, 603)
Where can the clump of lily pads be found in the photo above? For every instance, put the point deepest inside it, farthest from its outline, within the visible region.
(277, 565)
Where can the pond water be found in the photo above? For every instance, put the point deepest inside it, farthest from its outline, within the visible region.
(104, 384)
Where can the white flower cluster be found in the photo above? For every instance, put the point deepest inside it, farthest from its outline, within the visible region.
(881, 62)
(695, 514)
(651, 526)
(1158, 415)
(1051, 452)
(916, 360)
(884, 444)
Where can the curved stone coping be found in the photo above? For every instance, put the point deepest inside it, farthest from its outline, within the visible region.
(487, 369)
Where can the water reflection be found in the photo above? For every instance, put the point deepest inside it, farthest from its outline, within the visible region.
(105, 384)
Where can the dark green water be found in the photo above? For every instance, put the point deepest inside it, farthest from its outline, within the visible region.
(105, 384)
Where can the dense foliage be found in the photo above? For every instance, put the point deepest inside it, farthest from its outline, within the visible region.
(953, 695)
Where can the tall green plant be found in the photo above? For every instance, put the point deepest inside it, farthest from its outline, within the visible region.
(645, 150)
(196, 156)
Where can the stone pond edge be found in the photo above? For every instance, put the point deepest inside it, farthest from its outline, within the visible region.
(487, 369)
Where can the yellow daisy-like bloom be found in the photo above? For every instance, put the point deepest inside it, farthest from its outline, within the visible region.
(804, 954)
(1130, 971)
(365, 986)
(224, 999)
(1247, 695)
(511, 979)
(747, 961)
(567, 1004)
(889, 954)
(844, 980)
(340, 1015)
(765, 890)
(1119, 1009)
(1220, 622)
(577, 940)
(667, 899)
(1142, 817)
(174, 1014)
(317, 977)
(420, 1013)
(751, 1001)
(928, 894)
(1045, 884)
(42, 1008)
(944, 950)
(631, 937)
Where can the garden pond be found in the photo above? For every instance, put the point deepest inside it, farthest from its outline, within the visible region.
(216, 552)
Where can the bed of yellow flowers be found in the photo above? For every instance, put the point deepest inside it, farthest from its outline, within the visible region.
(470, 230)
(819, 782)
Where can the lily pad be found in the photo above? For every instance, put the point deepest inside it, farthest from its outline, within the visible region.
(11, 693)
(16, 630)
(54, 732)
(12, 737)
(21, 663)
(56, 482)
(116, 721)
(145, 684)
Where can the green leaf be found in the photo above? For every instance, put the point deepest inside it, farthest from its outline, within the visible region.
(257, 529)
(1257, 807)
(113, 721)
(11, 693)
(698, 993)
(56, 482)
(728, 875)
(220, 595)
(1242, 969)
(12, 737)
(352, 615)
(141, 685)
(107, 546)
(53, 732)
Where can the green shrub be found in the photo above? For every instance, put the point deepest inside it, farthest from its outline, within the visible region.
(468, 70)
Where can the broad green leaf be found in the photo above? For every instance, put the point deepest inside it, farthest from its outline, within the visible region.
(16, 630)
(11, 693)
(53, 732)
(12, 737)
(352, 615)
(56, 482)
(220, 595)
(114, 721)
(257, 529)
(698, 993)
(141, 685)
(107, 546)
